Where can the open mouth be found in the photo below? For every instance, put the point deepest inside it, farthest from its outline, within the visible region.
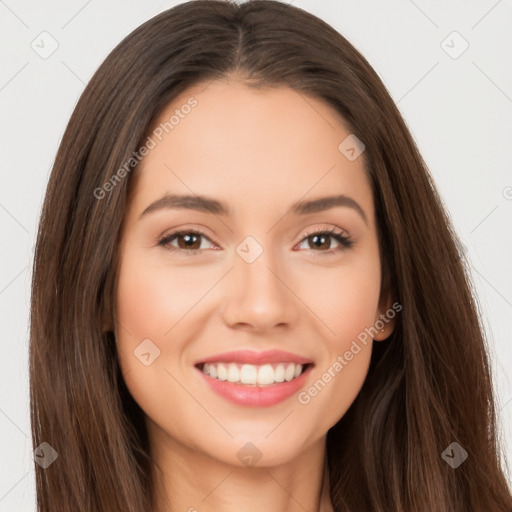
(263, 375)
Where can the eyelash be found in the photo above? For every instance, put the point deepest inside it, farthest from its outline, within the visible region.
(345, 241)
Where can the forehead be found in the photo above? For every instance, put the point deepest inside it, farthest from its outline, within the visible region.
(252, 148)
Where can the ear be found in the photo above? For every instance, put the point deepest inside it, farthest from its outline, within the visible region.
(385, 319)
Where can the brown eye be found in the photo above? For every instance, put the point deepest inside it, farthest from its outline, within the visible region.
(322, 240)
(186, 240)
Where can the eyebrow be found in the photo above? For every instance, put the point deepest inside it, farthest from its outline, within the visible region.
(210, 205)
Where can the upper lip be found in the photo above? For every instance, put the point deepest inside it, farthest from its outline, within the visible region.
(253, 357)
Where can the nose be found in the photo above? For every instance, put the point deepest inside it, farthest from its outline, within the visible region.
(259, 298)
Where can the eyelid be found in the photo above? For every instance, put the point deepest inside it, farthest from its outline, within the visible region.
(180, 231)
(323, 229)
(185, 229)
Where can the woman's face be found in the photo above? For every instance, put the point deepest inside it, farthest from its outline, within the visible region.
(264, 281)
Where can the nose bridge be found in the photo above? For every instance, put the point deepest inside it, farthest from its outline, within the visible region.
(257, 293)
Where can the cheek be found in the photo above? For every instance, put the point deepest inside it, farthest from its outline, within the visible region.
(335, 386)
(355, 306)
(155, 303)
(151, 299)
(345, 300)
(146, 310)
(148, 305)
(347, 303)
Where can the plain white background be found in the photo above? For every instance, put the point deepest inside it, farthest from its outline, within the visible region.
(457, 102)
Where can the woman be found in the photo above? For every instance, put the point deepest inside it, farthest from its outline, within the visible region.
(246, 291)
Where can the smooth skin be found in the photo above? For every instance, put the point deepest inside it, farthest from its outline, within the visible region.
(258, 151)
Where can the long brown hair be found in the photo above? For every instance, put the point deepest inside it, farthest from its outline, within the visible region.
(429, 384)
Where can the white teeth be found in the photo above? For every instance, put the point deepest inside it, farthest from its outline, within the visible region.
(265, 375)
(279, 373)
(233, 373)
(250, 374)
(222, 373)
(289, 372)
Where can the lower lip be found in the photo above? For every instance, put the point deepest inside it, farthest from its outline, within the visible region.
(256, 396)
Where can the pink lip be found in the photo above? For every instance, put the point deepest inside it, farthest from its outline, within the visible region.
(256, 396)
(252, 357)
